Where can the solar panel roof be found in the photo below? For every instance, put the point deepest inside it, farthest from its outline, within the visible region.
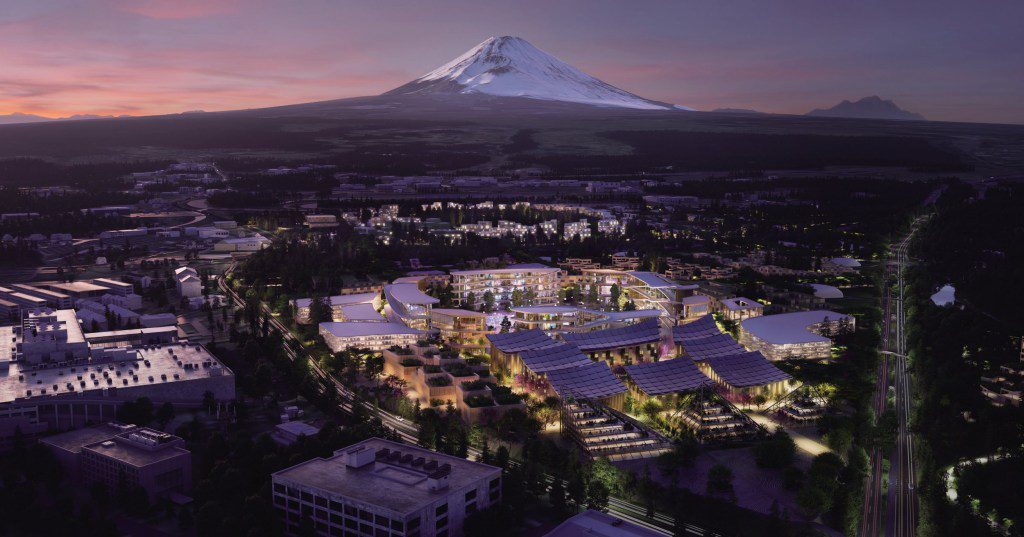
(593, 380)
(746, 369)
(646, 331)
(520, 341)
(702, 327)
(714, 345)
(551, 358)
(667, 376)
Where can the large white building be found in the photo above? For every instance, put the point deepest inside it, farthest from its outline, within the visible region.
(379, 487)
(374, 336)
(542, 281)
(795, 335)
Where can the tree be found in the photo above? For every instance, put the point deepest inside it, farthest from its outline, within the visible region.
(615, 294)
(776, 452)
(470, 302)
(597, 496)
(488, 301)
(720, 482)
(165, 414)
(506, 325)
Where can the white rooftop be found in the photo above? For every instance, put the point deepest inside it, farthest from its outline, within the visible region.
(786, 328)
(826, 291)
(356, 329)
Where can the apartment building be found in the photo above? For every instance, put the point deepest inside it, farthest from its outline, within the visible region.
(463, 330)
(539, 280)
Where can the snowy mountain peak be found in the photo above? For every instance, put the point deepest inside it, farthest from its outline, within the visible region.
(509, 66)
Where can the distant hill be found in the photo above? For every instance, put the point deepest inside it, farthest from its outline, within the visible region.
(10, 119)
(873, 107)
(735, 111)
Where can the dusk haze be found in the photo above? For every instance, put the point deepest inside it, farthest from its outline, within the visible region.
(329, 268)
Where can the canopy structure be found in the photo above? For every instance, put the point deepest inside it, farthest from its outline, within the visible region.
(720, 344)
(702, 327)
(553, 358)
(513, 342)
(746, 370)
(667, 376)
(592, 381)
(647, 331)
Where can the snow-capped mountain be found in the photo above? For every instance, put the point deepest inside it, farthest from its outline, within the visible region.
(873, 107)
(512, 67)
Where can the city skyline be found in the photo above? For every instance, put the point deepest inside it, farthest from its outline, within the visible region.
(952, 62)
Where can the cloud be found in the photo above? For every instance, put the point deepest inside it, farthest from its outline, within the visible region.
(177, 9)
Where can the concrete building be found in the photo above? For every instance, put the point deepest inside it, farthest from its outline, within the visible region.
(112, 454)
(374, 336)
(541, 282)
(53, 378)
(379, 487)
(187, 282)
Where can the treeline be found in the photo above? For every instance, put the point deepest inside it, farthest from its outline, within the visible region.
(681, 150)
(24, 171)
(976, 243)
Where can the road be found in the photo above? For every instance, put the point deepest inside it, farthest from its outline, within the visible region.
(631, 512)
(900, 518)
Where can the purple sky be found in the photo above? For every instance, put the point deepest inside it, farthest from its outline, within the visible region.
(959, 61)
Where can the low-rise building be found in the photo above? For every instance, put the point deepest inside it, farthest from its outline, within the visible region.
(374, 336)
(125, 455)
(379, 487)
(798, 335)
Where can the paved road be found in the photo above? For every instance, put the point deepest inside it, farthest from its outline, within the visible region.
(661, 523)
(899, 518)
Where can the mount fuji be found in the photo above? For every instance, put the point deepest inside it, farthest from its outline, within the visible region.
(511, 67)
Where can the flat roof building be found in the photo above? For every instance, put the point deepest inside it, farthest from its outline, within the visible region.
(153, 460)
(798, 335)
(374, 336)
(740, 308)
(380, 487)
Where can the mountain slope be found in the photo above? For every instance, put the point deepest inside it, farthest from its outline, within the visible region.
(18, 118)
(873, 107)
(512, 67)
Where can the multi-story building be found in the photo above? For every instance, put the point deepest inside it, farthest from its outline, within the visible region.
(378, 487)
(115, 454)
(52, 378)
(374, 336)
(579, 229)
(463, 330)
(410, 304)
(340, 305)
(540, 281)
